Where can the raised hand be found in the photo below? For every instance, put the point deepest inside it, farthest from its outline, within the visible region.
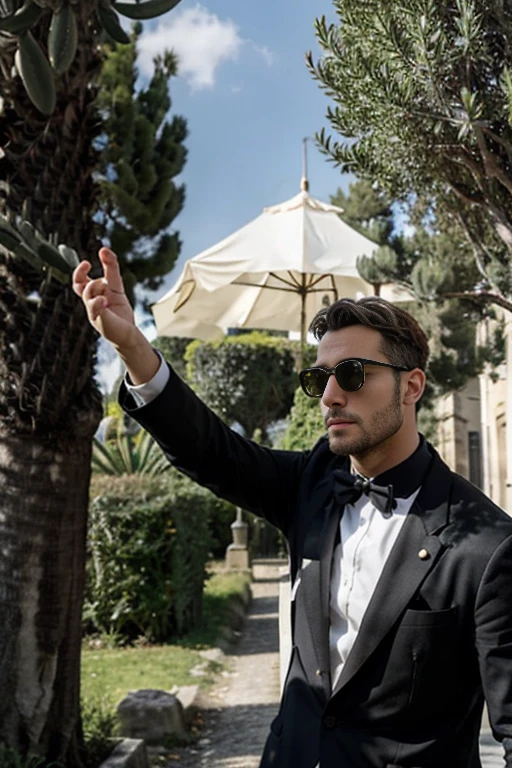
(109, 311)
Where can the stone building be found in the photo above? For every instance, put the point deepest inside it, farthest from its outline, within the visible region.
(473, 435)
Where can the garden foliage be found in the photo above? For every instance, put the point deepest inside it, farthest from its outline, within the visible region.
(128, 454)
(247, 379)
(149, 541)
(305, 424)
(173, 349)
(421, 105)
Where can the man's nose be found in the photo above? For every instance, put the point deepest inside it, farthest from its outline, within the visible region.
(334, 394)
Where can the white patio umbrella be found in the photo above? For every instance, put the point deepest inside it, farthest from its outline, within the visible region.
(276, 273)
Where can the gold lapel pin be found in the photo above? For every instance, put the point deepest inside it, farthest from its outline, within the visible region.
(423, 554)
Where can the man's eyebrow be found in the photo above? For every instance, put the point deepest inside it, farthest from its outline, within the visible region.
(326, 365)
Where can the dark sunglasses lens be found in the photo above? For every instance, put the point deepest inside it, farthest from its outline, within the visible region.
(314, 382)
(350, 375)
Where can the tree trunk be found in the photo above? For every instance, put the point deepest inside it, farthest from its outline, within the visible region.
(44, 484)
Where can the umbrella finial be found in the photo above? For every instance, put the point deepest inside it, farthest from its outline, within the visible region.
(304, 182)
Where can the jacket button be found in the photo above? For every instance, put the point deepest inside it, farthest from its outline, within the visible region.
(330, 722)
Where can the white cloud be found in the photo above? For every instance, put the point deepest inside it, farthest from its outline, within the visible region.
(202, 42)
(265, 52)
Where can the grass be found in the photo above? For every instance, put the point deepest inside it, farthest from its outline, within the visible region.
(108, 674)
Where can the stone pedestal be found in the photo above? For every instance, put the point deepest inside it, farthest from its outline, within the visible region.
(237, 554)
(238, 558)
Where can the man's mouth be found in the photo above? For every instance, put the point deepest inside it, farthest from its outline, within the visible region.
(338, 424)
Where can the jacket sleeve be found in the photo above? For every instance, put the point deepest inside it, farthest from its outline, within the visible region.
(198, 443)
(493, 622)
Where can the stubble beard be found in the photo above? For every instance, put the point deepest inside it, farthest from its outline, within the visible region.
(383, 424)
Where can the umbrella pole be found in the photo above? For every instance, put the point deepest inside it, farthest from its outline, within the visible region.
(303, 330)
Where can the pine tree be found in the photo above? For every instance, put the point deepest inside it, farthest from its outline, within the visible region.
(143, 155)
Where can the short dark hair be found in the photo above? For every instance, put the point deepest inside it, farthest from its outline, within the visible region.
(404, 341)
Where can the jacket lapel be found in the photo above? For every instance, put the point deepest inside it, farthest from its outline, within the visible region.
(312, 598)
(414, 554)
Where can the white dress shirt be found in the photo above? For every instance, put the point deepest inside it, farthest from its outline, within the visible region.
(366, 540)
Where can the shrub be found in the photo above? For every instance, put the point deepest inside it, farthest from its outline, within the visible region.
(247, 379)
(221, 516)
(305, 424)
(173, 349)
(149, 541)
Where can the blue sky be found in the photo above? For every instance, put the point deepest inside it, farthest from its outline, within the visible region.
(249, 101)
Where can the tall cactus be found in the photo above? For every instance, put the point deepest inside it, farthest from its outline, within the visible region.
(49, 403)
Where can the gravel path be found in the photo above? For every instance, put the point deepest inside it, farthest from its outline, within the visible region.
(246, 697)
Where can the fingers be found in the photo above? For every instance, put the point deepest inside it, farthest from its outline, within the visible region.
(111, 270)
(104, 293)
(81, 277)
(95, 288)
(96, 306)
(112, 274)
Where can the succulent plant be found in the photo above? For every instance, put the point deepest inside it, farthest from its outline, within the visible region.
(22, 239)
(37, 67)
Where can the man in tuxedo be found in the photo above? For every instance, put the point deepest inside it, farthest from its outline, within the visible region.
(401, 569)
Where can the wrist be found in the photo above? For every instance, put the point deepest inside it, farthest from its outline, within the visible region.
(139, 357)
(133, 342)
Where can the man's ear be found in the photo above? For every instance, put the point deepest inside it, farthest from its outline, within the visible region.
(415, 386)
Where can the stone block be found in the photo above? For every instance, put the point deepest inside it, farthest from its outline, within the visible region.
(129, 753)
(151, 715)
(189, 697)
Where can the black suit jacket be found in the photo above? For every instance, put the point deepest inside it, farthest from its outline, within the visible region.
(436, 637)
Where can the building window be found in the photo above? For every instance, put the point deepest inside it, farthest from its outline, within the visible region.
(475, 458)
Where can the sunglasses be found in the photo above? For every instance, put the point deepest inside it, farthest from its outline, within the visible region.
(349, 374)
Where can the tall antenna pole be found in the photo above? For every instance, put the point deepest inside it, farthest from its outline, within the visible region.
(304, 182)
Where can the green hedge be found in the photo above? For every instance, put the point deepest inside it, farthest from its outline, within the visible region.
(305, 423)
(248, 379)
(149, 541)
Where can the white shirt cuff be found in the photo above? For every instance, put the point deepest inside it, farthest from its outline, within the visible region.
(143, 394)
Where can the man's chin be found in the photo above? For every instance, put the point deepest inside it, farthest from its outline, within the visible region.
(342, 445)
(338, 445)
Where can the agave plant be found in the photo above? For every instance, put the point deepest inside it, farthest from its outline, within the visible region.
(127, 455)
(49, 403)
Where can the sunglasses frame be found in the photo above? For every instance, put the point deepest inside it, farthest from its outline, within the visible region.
(332, 372)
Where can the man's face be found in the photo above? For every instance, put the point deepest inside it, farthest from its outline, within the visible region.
(357, 422)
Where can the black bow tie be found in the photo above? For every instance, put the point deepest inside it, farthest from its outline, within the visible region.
(349, 488)
(398, 482)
